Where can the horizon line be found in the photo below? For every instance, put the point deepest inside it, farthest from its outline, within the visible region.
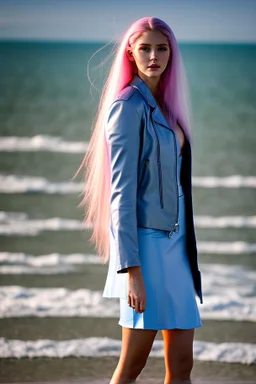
(83, 41)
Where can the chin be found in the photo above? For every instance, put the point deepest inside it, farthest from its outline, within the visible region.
(152, 75)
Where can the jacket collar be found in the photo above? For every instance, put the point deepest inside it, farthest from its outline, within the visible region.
(142, 87)
(144, 90)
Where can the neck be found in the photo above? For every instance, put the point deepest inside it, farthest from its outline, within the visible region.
(152, 83)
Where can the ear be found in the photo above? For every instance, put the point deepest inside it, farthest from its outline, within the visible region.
(130, 55)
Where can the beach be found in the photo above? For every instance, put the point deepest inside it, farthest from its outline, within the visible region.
(54, 324)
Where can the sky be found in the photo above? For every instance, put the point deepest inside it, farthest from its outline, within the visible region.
(105, 20)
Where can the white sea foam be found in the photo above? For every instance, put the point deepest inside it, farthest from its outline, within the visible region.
(29, 184)
(13, 223)
(56, 259)
(43, 302)
(228, 248)
(225, 222)
(235, 181)
(54, 263)
(50, 260)
(27, 270)
(41, 143)
(99, 347)
(229, 294)
(57, 144)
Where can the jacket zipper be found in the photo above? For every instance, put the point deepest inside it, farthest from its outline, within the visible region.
(144, 171)
(159, 168)
(176, 225)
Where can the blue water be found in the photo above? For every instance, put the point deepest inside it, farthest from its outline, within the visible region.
(45, 91)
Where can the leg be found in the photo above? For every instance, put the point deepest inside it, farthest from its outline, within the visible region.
(178, 355)
(136, 346)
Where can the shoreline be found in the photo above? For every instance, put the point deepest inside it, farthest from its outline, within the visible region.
(88, 370)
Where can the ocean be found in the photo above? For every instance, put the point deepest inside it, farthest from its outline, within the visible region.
(54, 323)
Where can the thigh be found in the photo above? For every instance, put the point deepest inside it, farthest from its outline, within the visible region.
(178, 346)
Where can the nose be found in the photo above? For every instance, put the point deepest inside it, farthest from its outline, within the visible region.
(153, 55)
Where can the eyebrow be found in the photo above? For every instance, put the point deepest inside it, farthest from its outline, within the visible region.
(149, 45)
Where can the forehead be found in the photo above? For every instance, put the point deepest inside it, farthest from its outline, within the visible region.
(152, 38)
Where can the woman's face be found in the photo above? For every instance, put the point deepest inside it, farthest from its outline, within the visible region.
(151, 53)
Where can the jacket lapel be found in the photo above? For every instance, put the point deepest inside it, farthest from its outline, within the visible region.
(159, 118)
(156, 113)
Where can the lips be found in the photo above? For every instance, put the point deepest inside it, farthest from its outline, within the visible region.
(154, 66)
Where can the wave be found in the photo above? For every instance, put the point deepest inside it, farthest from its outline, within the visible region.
(55, 263)
(29, 184)
(27, 270)
(53, 259)
(13, 223)
(227, 248)
(244, 353)
(228, 290)
(225, 222)
(41, 143)
(235, 181)
(57, 144)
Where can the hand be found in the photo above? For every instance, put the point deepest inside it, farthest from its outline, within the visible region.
(136, 290)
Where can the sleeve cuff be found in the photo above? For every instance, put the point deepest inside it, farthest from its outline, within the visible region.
(124, 268)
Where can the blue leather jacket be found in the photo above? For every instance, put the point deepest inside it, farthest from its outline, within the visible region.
(144, 190)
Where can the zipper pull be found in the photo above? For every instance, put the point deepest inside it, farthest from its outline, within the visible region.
(177, 227)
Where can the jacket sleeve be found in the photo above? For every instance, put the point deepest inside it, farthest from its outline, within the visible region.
(123, 137)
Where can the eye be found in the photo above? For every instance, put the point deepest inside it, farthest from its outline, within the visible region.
(145, 49)
(163, 49)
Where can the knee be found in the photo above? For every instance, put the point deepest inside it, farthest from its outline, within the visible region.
(128, 371)
(132, 371)
(182, 366)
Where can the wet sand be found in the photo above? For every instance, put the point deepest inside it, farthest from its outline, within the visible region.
(146, 381)
(88, 370)
(64, 328)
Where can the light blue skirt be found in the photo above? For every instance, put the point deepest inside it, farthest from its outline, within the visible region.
(170, 295)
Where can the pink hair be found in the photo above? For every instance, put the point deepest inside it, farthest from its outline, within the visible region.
(174, 97)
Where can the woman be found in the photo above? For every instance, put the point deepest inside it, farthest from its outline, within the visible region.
(138, 197)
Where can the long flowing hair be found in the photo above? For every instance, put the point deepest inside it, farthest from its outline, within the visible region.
(174, 95)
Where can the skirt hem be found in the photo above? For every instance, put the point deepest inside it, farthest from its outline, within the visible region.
(158, 328)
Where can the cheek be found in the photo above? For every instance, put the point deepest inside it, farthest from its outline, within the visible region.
(167, 56)
(166, 60)
(139, 60)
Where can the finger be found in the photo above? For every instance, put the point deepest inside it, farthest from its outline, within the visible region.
(142, 306)
(133, 302)
(137, 305)
(129, 301)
